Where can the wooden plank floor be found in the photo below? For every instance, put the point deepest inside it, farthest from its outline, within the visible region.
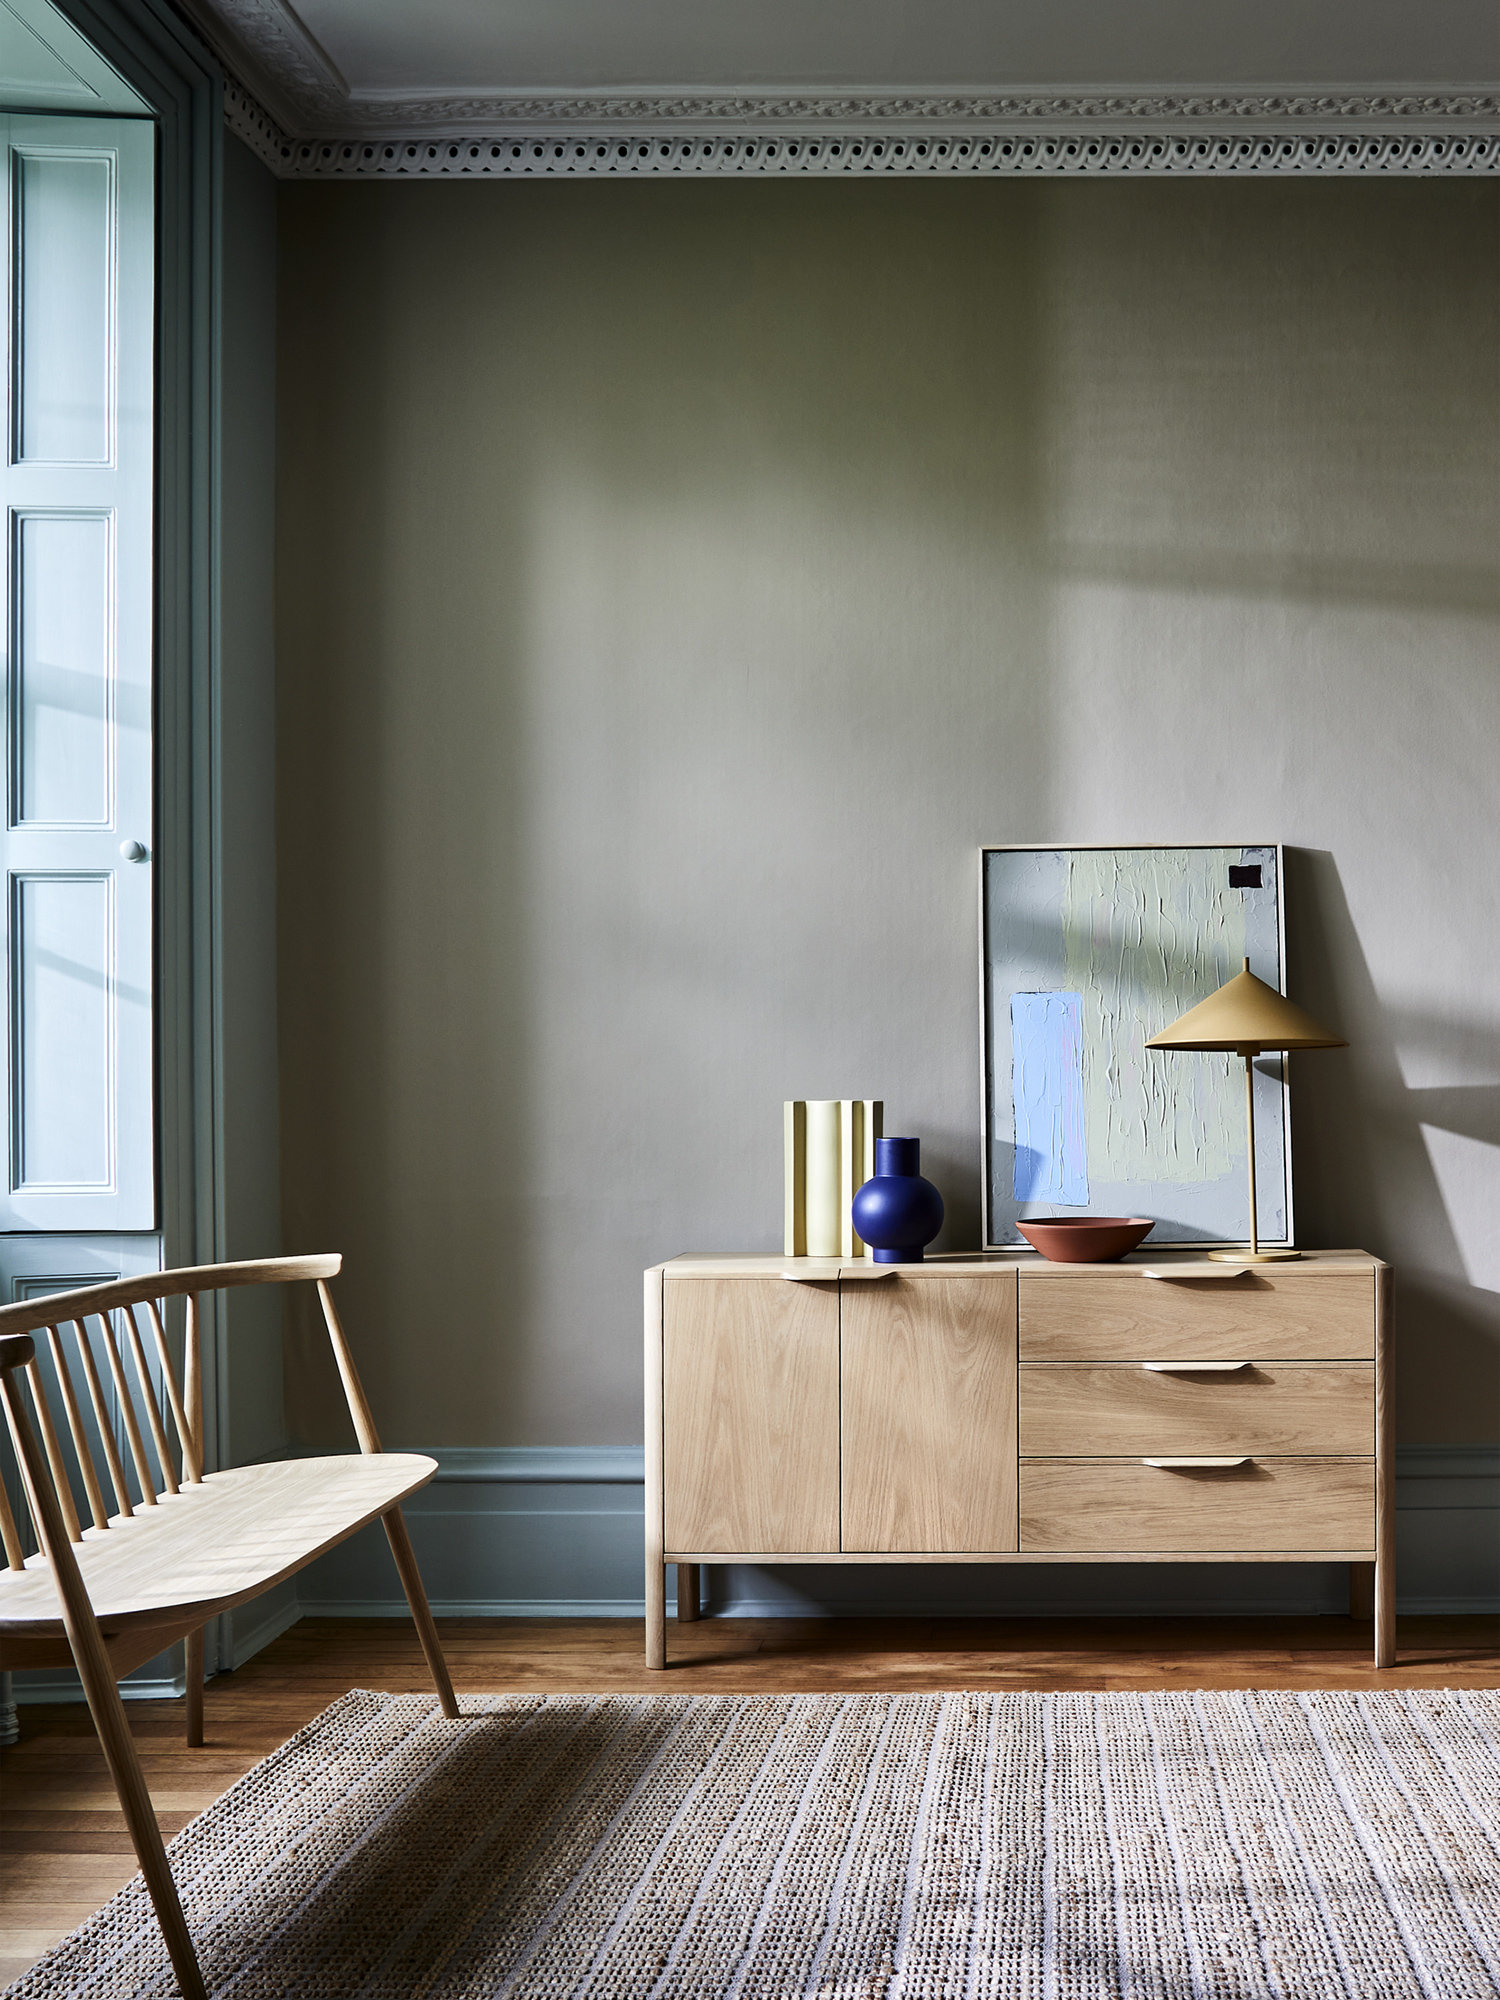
(66, 1852)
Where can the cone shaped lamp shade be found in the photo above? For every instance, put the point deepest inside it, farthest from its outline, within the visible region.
(1247, 1016)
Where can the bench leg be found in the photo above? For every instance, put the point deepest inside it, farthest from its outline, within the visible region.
(103, 1695)
(421, 1613)
(194, 1678)
(108, 1712)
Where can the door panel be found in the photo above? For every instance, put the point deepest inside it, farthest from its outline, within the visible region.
(78, 1078)
(63, 218)
(751, 1416)
(929, 1416)
(62, 703)
(62, 1031)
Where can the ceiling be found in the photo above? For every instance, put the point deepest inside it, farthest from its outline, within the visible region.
(612, 86)
(463, 47)
(360, 55)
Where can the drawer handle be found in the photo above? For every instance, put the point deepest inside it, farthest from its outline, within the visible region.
(1194, 1367)
(1197, 1271)
(1191, 1464)
(834, 1277)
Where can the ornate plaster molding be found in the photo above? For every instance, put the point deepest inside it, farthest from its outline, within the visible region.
(271, 58)
(369, 114)
(289, 102)
(615, 136)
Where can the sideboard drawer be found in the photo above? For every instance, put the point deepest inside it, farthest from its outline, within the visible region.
(1120, 1407)
(1262, 1314)
(1270, 1504)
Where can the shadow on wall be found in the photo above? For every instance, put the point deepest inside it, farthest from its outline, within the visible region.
(661, 630)
(406, 1058)
(1364, 1169)
(679, 582)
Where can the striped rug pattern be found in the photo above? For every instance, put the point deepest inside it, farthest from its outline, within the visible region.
(1260, 1846)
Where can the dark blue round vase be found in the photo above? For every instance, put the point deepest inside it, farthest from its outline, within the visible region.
(897, 1213)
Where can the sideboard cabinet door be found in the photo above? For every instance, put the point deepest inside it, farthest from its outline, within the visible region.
(750, 1395)
(929, 1408)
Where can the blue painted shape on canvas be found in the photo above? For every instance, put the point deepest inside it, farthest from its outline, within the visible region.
(1046, 1039)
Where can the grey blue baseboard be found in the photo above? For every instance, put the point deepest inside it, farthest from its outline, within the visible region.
(1447, 1529)
(521, 1532)
(558, 1533)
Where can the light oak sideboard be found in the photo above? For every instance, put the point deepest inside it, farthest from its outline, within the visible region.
(999, 1409)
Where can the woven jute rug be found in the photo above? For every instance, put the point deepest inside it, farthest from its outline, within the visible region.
(1181, 1846)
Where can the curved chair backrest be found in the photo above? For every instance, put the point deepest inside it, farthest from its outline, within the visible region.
(15, 1350)
(153, 1399)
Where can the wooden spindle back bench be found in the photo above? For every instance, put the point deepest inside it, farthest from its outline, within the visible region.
(139, 1547)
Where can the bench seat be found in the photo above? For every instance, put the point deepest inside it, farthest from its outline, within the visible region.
(210, 1547)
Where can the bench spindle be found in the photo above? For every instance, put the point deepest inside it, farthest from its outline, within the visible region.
(52, 1445)
(101, 1418)
(149, 1398)
(192, 1467)
(192, 1374)
(15, 1557)
(127, 1411)
(76, 1428)
(354, 1395)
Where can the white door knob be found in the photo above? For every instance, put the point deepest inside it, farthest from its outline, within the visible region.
(132, 850)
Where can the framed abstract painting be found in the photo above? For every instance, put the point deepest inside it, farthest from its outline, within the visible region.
(1085, 952)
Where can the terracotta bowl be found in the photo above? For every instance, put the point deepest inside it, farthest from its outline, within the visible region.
(1086, 1239)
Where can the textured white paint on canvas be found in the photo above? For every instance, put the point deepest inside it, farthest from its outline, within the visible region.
(1130, 938)
(1142, 932)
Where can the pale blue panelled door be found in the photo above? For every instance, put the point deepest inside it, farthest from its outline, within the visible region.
(78, 1077)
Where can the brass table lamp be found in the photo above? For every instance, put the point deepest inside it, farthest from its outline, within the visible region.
(1248, 1017)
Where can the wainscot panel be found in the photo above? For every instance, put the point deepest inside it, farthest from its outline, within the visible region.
(526, 1532)
(557, 1533)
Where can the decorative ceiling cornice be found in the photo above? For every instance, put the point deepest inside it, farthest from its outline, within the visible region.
(370, 115)
(271, 58)
(617, 135)
(289, 102)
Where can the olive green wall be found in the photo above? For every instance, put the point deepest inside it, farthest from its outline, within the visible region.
(678, 583)
(251, 1418)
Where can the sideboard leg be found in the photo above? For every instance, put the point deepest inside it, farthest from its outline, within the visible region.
(1385, 1611)
(1362, 1590)
(687, 1593)
(656, 1574)
(656, 1612)
(1385, 1478)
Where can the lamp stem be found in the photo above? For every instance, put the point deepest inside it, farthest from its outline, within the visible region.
(1250, 1134)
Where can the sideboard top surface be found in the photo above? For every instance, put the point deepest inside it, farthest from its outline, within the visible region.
(965, 1264)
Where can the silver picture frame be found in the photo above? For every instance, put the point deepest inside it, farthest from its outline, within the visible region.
(1020, 958)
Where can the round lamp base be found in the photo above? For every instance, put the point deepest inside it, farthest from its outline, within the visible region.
(1253, 1256)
